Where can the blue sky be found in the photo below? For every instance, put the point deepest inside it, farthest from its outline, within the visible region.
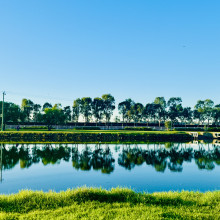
(57, 51)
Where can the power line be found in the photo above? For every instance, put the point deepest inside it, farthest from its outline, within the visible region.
(24, 95)
(3, 110)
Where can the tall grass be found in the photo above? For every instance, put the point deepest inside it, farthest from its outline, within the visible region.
(90, 203)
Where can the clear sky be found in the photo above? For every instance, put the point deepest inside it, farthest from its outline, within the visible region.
(57, 51)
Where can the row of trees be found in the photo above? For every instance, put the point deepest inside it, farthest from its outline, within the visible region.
(97, 109)
(101, 109)
(160, 111)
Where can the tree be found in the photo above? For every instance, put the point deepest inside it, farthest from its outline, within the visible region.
(124, 108)
(86, 108)
(53, 116)
(67, 113)
(175, 108)
(168, 125)
(46, 105)
(160, 108)
(76, 109)
(36, 111)
(137, 110)
(109, 106)
(27, 107)
(186, 115)
(117, 119)
(209, 104)
(150, 111)
(97, 109)
(160, 101)
(12, 112)
(216, 114)
(204, 110)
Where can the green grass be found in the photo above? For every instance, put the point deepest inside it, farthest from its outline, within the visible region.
(88, 203)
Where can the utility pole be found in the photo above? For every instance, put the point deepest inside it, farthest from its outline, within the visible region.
(1, 165)
(3, 110)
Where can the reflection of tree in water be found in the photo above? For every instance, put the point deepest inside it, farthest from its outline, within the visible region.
(98, 159)
(156, 158)
(107, 161)
(172, 158)
(205, 158)
(25, 157)
(53, 155)
(10, 158)
(29, 156)
(101, 159)
(131, 157)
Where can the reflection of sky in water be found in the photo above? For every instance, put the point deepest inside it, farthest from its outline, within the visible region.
(61, 175)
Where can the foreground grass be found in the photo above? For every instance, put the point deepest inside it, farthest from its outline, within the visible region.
(84, 203)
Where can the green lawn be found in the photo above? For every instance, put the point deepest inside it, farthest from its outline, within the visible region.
(84, 203)
(97, 131)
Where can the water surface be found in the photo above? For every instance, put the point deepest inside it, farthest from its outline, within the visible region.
(141, 167)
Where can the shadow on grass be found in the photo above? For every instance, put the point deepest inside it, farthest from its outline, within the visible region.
(27, 201)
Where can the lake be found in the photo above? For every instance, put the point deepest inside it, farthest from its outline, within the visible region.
(142, 167)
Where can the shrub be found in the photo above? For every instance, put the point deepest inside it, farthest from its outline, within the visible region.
(188, 129)
(214, 129)
(91, 137)
(168, 125)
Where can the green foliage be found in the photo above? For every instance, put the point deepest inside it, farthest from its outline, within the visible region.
(189, 129)
(204, 110)
(108, 106)
(93, 136)
(76, 110)
(101, 109)
(46, 105)
(53, 116)
(12, 112)
(213, 129)
(27, 107)
(125, 109)
(175, 108)
(168, 125)
(86, 108)
(97, 109)
(91, 203)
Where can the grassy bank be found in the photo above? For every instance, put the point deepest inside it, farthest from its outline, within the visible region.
(84, 203)
(93, 136)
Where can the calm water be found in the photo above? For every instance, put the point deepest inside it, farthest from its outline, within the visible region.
(142, 167)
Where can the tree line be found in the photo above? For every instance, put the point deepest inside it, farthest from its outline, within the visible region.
(101, 109)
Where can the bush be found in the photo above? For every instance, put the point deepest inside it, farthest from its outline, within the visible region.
(138, 128)
(91, 137)
(188, 129)
(168, 125)
(213, 129)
